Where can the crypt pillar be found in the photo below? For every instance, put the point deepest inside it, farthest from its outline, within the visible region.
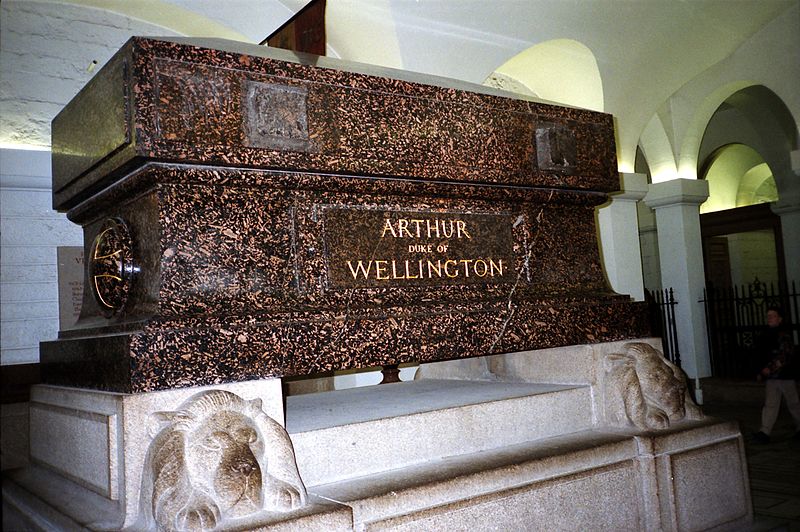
(677, 207)
(619, 236)
(788, 208)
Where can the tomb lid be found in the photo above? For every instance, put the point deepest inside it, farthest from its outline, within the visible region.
(223, 103)
(354, 67)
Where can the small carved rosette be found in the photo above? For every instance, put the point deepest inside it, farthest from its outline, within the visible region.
(111, 266)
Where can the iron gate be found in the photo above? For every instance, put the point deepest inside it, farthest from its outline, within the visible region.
(661, 305)
(735, 316)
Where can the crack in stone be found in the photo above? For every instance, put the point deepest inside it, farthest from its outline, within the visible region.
(511, 309)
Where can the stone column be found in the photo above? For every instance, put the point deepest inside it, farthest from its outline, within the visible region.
(677, 207)
(788, 208)
(619, 236)
(648, 243)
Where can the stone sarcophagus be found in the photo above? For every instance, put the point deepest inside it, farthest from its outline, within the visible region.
(250, 213)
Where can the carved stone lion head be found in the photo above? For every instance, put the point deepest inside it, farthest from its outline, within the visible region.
(217, 457)
(646, 389)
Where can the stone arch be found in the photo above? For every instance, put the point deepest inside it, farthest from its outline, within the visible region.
(531, 72)
(765, 111)
(757, 117)
(657, 151)
(737, 176)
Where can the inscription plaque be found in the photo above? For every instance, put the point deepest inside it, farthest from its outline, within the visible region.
(395, 248)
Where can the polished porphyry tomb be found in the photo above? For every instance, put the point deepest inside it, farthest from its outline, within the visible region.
(251, 213)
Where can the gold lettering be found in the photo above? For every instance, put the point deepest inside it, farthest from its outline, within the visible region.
(387, 226)
(466, 266)
(408, 274)
(435, 227)
(444, 228)
(394, 271)
(447, 270)
(359, 269)
(437, 268)
(379, 269)
(461, 227)
(402, 227)
(496, 266)
(417, 223)
(485, 266)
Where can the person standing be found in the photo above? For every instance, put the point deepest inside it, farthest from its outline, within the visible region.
(779, 372)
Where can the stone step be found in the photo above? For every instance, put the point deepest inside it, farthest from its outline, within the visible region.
(353, 433)
(588, 480)
(63, 505)
(490, 486)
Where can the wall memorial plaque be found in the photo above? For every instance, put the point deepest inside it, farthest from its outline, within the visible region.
(70, 285)
(278, 215)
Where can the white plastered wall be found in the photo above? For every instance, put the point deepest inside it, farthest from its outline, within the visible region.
(48, 52)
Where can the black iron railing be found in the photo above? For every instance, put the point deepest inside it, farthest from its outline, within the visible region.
(736, 315)
(661, 305)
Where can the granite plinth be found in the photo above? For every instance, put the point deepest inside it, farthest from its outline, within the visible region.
(354, 433)
(430, 454)
(589, 480)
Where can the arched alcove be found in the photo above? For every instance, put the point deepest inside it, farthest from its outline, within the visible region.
(560, 70)
(757, 117)
(741, 235)
(745, 155)
(734, 173)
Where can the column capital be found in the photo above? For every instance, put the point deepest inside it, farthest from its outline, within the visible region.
(632, 187)
(785, 206)
(677, 192)
(794, 159)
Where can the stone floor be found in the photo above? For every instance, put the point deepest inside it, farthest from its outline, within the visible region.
(774, 467)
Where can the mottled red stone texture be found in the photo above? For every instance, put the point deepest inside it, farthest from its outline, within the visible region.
(245, 181)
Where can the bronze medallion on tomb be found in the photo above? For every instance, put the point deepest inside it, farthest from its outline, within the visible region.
(111, 266)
